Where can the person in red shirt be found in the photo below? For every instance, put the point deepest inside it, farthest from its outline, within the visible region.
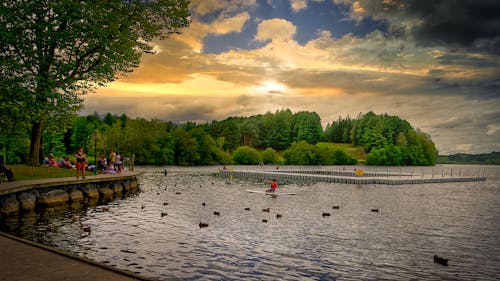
(274, 186)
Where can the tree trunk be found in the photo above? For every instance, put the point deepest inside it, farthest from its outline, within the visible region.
(35, 145)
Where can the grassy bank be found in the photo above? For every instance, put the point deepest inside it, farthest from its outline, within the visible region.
(355, 151)
(24, 172)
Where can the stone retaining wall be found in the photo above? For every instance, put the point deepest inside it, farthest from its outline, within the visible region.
(81, 192)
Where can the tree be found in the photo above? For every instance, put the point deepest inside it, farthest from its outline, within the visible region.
(52, 52)
(185, 148)
(307, 127)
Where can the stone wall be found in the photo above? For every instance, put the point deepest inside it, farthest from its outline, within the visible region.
(28, 200)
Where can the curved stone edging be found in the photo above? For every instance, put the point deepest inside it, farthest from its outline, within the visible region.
(41, 195)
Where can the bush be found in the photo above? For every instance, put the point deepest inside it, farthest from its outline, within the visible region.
(300, 153)
(269, 156)
(245, 155)
(224, 157)
(390, 155)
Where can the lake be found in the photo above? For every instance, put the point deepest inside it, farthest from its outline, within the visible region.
(458, 221)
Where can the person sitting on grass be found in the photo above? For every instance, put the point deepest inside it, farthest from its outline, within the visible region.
(7, 172)
(51, 161)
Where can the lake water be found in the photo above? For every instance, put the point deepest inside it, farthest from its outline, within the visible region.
(459, 221)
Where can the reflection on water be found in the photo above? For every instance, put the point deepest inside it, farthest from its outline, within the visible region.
(458, 221)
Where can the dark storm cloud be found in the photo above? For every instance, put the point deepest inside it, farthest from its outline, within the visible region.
(457, 22)
(470, 23)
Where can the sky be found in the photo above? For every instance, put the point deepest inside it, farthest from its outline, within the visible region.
(434, 63)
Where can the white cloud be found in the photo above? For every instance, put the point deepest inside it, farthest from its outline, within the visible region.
(275, 30)
(298, 5)
(197, 31)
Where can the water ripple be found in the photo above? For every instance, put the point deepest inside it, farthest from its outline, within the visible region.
(457, 221)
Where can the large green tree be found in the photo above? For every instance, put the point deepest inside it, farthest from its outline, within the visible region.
(53, 51)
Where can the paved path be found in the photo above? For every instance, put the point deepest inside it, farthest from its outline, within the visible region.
(22, 260)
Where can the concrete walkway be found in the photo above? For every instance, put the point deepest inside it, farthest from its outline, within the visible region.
(27, 261)
(24, 260)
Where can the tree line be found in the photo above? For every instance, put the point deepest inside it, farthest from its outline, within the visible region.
(281, 137)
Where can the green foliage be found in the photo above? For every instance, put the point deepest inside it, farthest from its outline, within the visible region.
(54, 51)
(163, 143)
(307, 127)
(185, 148)
(300, 153)
(330, 154)
(388, 156)
(340, 131)
(269, 156)
(276, 130)
(246, 155)
(224, 157)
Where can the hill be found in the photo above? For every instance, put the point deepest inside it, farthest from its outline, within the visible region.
(461, 158)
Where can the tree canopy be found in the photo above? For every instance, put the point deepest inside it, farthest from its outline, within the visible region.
(388, 140)
(52, 52)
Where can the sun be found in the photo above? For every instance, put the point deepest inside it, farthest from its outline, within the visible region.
(271, 87)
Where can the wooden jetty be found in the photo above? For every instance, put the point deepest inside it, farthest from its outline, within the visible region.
(347, 177)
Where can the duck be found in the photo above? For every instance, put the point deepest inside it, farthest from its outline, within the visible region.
(264, 220)
(265, 210)
(163, 214)
(203, 204)
(216, 213)
(202, 224)
(177, 193)
(326, 214)
(336, 207)
(374, 210)
(247, 209)
(165, 203)
(86, 228)
(279, 216)
(440, 260)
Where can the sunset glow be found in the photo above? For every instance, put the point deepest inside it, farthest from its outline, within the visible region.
(336, 58)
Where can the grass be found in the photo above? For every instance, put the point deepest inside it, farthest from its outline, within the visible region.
(355, 151)
(24, 172)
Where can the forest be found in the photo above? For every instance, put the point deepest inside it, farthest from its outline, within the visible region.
(282, 137)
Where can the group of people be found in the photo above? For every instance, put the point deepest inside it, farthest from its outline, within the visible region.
(111, 166)
(64, 162)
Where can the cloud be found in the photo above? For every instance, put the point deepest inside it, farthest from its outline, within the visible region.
(468, 23)
(447, 91)
(205, 7)
(298, 5)
(275, 30)
(198, 30)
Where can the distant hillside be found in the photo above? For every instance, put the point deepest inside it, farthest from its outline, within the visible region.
(485, 159)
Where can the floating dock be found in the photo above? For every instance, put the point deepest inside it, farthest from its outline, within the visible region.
(347, 177)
